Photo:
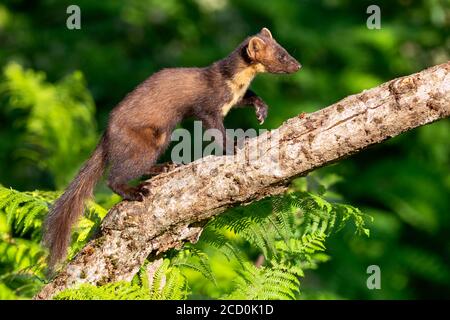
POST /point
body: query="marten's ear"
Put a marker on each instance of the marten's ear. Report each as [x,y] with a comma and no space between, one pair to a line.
[255,46]
[266,32]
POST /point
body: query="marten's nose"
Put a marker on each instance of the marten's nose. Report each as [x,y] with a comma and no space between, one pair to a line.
[295,66]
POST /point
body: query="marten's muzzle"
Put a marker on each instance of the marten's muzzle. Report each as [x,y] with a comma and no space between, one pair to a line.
[294,67]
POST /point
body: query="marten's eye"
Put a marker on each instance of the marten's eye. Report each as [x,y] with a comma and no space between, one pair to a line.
[281,56]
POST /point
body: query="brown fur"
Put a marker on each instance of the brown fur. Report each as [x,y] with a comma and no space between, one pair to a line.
[68,208]
[139,128]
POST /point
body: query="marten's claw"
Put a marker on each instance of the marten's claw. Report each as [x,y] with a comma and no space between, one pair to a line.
[145,192]
[261,115]
[137,194]
[261,111]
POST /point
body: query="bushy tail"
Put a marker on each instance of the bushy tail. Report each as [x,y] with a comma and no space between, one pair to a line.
[70,206]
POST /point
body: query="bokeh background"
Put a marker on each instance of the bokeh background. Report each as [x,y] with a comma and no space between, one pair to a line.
[57,87]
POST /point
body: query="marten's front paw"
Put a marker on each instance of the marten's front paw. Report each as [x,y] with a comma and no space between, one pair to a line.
[138,194]
[143,191]
[261,111]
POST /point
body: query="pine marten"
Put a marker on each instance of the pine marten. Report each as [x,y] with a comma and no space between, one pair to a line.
[139,128]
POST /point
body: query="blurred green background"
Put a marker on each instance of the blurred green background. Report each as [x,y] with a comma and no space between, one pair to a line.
[57,87]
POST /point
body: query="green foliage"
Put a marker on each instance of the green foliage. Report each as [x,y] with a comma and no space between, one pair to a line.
[22,258]
[113,291]
[264,283]
[25,210]
[287,232]
[166,283]
[56,121]
[404,186]
[86,227]
[196,260]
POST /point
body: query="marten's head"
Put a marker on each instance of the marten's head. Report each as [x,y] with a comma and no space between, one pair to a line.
[262,48]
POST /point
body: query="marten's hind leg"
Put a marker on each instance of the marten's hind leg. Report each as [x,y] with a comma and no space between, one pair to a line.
[130,163]
[131,156]
[119,184]
[121,173]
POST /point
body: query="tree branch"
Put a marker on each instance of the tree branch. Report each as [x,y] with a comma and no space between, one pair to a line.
[183,200]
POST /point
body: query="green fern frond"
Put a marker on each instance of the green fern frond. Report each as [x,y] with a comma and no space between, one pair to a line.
[240,218]
[113,291]
[86,227]
[212,236]
[176,285]
[195,260]
[167,282]
[265,283]
[290,231]
[25,210]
